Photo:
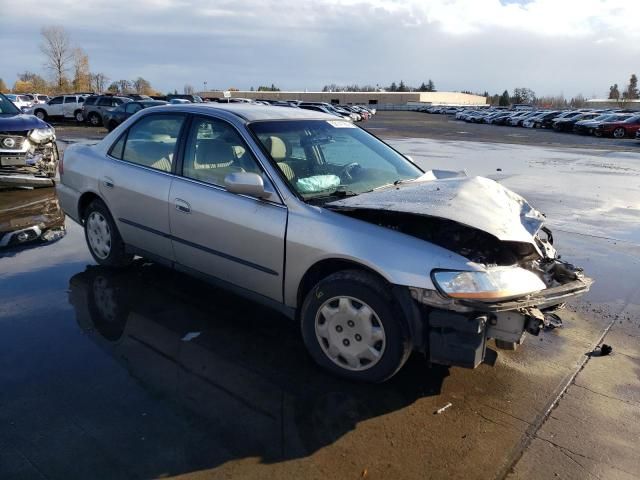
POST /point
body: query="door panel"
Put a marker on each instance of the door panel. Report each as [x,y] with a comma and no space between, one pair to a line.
[235,238]
[138,200]
[136,186]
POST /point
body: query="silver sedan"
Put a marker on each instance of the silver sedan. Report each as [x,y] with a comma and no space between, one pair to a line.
[313,216]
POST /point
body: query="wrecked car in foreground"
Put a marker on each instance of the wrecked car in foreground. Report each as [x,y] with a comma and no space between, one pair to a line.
[28,151]
[321,220]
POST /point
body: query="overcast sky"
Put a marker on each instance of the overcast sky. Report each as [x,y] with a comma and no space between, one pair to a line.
[550,46]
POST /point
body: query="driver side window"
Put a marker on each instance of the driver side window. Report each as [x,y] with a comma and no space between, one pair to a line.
[215,149]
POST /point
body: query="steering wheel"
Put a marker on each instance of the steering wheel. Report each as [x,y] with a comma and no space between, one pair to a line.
[348,169]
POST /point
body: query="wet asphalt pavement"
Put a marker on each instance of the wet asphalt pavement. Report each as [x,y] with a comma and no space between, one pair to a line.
[147,373]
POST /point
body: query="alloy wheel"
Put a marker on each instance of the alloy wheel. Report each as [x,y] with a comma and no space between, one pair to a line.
[350,333]
[619,132]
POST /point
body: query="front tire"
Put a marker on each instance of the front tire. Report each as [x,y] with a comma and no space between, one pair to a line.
[111,126]
[94,119]
[619,133]
[352,327]
[103,238]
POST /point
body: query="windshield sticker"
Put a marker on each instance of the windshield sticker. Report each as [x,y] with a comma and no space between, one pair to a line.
[340,124]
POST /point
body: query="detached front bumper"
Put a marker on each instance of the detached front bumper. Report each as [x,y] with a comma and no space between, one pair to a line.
[456,331]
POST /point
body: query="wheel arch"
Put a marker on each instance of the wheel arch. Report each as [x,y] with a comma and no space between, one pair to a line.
[84,201]
[325,267]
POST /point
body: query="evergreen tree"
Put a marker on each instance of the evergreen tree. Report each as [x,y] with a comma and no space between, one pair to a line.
[614,93]
[402,87]
[393,87]
[632,89]
[504,99]
[431,87]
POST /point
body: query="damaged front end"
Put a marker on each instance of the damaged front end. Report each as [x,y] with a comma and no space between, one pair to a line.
[28,153]
[517,281]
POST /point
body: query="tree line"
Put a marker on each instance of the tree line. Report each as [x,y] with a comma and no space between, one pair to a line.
[394,87]
[69,71]
[630,93]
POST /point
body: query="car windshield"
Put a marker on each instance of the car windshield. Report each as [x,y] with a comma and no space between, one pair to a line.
[325,158]
[7,107]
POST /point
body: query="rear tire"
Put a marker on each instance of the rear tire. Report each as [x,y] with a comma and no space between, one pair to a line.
[353,328]
[41,114]
[103,238]
[78,116]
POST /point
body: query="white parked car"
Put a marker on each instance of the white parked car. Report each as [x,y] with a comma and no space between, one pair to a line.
[62,106]
[20,101]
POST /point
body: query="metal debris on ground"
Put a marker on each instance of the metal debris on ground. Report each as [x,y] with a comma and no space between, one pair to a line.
[441,410]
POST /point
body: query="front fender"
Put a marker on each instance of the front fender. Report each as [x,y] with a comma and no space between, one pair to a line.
[315,234]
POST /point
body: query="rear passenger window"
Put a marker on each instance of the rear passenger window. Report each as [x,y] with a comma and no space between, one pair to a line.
[70,100]
[214,150]
[152,141]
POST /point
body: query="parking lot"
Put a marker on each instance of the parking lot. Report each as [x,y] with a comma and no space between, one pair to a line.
[147,373]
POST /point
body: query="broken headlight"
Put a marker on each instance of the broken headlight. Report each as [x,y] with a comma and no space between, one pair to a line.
[41,135]
[498,283]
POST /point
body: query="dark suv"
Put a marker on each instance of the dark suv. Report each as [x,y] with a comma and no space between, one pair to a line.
[96,106]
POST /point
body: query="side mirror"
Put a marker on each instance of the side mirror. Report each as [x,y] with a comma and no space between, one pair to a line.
[246,183]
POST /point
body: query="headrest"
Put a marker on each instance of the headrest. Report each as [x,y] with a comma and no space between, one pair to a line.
[277,148]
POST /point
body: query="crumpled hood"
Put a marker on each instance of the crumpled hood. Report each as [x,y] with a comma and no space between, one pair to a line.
[477,202]
[20,123]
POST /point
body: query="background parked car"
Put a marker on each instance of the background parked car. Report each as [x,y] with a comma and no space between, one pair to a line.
[37,98]
[95,107]
[588,127]
[619,129]
[62,106]
[21,101]
[566,124]
[119,114]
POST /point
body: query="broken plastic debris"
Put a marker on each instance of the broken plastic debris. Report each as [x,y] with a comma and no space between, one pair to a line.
[551,321]
[441,410]
[190,336]
[605,350]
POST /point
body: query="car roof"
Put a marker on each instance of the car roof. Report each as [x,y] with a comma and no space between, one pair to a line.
[253,112]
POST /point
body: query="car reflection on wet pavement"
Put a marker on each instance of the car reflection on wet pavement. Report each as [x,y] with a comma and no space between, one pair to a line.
[29,215]
[145,372]
[240,368]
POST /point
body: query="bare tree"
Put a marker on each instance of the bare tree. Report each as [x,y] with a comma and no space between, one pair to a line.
[123,86]
[82,73]
[188,89]
[142,86]
[57,51]
[3,86]
[99,82]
